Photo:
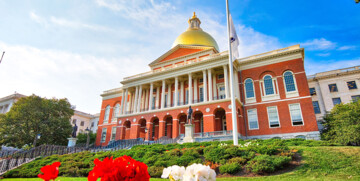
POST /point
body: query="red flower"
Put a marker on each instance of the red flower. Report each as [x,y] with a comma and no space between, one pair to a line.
[122,168]
[50,171]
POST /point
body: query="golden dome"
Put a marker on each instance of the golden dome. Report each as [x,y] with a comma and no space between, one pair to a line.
[194,35]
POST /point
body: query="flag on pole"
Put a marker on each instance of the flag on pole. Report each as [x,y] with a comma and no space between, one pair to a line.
[234,40]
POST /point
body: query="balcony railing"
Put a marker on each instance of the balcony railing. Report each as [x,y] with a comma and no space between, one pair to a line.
[213,134]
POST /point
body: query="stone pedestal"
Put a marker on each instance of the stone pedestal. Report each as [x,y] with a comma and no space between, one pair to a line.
[72,142]
[189,133]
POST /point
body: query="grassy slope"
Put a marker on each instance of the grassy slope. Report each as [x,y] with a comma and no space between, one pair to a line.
[319,163]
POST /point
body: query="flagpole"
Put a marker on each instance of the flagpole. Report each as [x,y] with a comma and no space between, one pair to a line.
[232,87]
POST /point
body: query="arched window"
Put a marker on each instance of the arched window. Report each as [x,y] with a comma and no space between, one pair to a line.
[249,88]
[289,81]
[106,115]
[117,110]
[268,84]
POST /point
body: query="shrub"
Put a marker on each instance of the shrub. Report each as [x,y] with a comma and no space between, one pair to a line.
[261,164]
[230,168]
[155,171]
[239,160]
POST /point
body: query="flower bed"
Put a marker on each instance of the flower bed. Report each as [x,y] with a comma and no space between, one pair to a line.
[256,156]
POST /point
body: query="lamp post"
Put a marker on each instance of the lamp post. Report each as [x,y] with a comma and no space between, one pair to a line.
[87,130]
[146,131]
[37,137]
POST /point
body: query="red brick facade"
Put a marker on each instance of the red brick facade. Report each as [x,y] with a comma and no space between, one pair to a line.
[214,115]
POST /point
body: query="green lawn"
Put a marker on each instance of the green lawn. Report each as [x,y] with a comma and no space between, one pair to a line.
[318,163]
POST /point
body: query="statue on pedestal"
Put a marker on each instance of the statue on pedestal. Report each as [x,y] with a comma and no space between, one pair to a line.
[73,133]
[190,111]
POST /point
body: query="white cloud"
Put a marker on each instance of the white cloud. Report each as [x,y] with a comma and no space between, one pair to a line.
[66,23]
[319,44]
[53,73]
[312,67]
[323,54]
[347,48]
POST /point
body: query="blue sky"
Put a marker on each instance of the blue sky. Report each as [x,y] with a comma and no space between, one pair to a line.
[77,49]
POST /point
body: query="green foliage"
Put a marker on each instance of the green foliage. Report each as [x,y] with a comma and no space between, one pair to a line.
[230,168]
[342,124]
[155,171]
[82,138]
[267,164]
[34,115]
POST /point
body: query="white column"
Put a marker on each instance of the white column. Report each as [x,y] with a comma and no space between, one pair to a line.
[215,93]
[157,97]
[182,92]
[226,77]
[237,90]
[125,101]
[136,99]
[210,85]
[195,90]
[146,99]
[205,86]
[190,89]
[151,96]
[139,99]
[169,96]
[163,94]
[122,102]
[176,99]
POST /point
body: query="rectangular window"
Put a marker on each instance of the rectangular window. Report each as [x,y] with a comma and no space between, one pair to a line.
[333,88]
[103,135]
[316,107]
[153,102]
[186,96]
[273,117]
[312,91]
[82,123]
[166,98]
[252,119]
[295,112]
[92,124]
[74,121]
[351,85]
[220,76]
[221,92]
[336,100]
[113,133]
[355,98]
[201,94]
[201,80]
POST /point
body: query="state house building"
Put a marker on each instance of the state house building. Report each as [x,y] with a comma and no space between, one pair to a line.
[272,95]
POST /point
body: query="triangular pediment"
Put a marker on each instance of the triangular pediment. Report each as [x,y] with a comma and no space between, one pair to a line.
[180,51]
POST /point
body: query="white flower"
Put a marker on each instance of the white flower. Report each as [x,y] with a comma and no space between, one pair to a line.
[199,172]
[175,171]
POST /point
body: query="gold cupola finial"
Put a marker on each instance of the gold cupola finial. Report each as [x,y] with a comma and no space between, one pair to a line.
[194,16]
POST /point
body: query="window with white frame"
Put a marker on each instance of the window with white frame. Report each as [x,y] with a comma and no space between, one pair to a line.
[107,114]
[201,94]
[186,96]
[289,81]
[295,112]
[166,98]
[249,88]
[273,117]
[113,133]
[103,135]
[268,85]
[153,102]
[221,91]
[252,119]
[116,111]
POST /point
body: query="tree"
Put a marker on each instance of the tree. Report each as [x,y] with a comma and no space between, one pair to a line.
[342,124]
[34,115]
[82,137]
